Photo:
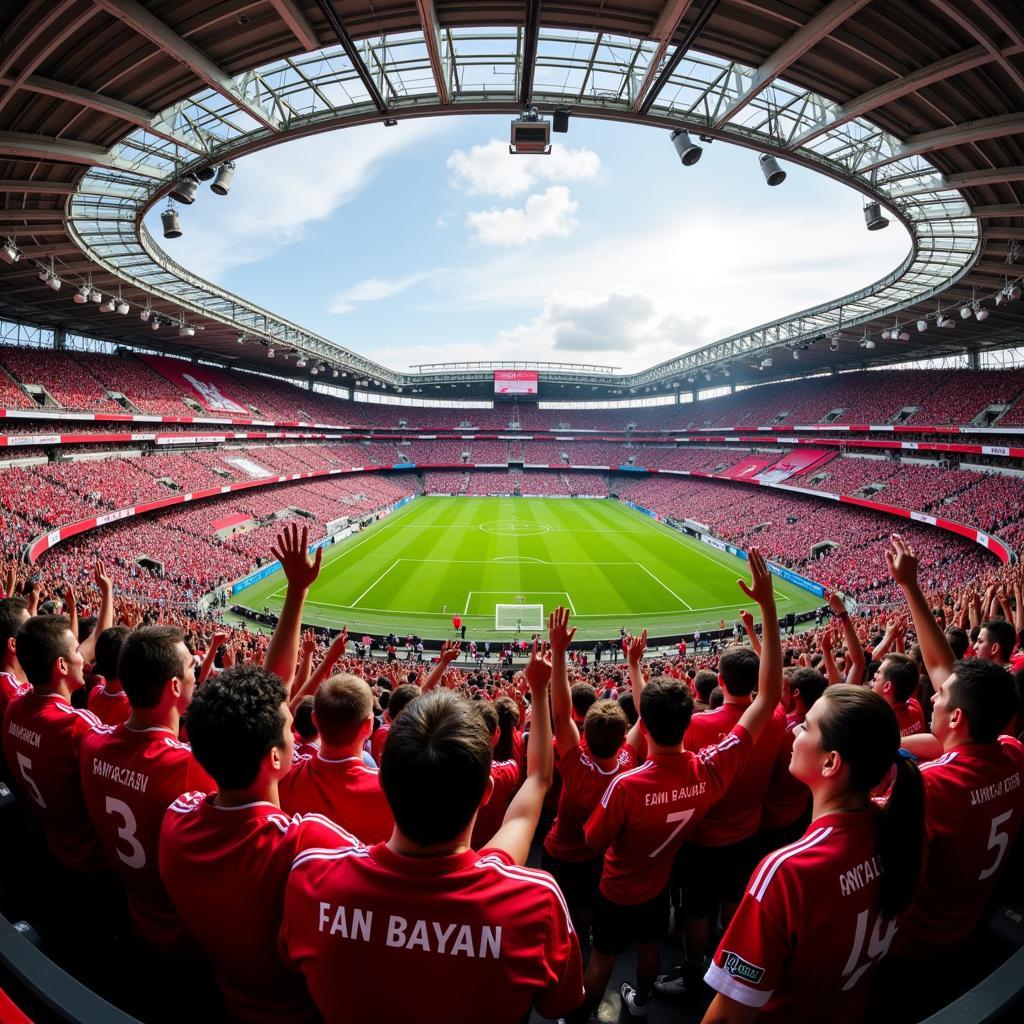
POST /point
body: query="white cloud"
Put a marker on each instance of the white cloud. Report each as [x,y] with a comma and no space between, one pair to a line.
[546,214]
[491,170]
[373,289]
[279,192]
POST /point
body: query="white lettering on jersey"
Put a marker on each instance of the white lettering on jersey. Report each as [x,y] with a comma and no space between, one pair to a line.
[122,776]
[984,794]
[446,938]
[19,732]
[668,796]
[857,877]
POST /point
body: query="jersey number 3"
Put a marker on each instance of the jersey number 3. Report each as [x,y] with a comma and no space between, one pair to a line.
[136,855]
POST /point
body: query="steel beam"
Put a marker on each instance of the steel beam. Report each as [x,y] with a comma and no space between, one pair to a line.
[991,176]
[971,131]
[41,147]
[352,52]
[298,23]
[531,36]
[432,38]
[664,29]
[60,188]
[1000,210]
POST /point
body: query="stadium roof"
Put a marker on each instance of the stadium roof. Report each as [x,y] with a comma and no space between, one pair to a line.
[918,104]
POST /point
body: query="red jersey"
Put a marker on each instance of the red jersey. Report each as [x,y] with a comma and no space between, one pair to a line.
[738,814]
[346,791]
[505,775]
[583,784]
[10,688]
[42,737]
[225,869]
[787,797]
[974,805]
[808,933]
[129,778]
[647,813]
[377,742]
[910,717]
[307,748]
[111,707]
[463,932]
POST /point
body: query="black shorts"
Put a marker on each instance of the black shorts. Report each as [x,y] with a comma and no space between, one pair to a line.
[617,925]
[578,880]
[710,875]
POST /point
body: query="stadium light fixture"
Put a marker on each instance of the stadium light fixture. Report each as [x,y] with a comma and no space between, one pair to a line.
[833,343]
[205,173]
[82,295]
[688,150]
[300,362]
[941,320]
[49,277]
[965,312]
[874,218]
[144,314]
[225,175]
[1013,291]
[980,312]
[107,305]
[334,373]
[885,335]
[922,325]
[186,330]
[773,173]
[122,306]
[171,222]
[270,353]
[796,353]
[185,190]
[95,296]
[155,323]
[9,251]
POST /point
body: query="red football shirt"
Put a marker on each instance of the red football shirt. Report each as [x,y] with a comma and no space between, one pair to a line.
[489,818]
[787,797]
[225,869]
[974,807]
[111,707]
[377,742]
[910,717]
[10,687]
[466,937]
[306,748]
[129,778]
[583,784]
[42,737]
[646,814]
[345,791]
[738,814]
[808,934]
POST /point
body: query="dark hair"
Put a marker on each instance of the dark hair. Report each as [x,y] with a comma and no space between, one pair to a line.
[738,668]
[342,704]
[628,706]
[809,683]
[605,728]
[508,719]
[437,760]
[39,643]
[583,696]
[984,691]
[901,672]
[860,726]
[149,658]
[716,698]
[401,697]
[108,650]
[234,721]
[13,611]
[1001,632]
[958,640]
[304,724]
[490,715]
[666,706]
[705,682]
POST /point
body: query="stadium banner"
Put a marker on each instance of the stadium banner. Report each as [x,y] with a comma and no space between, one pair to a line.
[200,382]
[515,382]
[640,508]
[776,570]
[713,542]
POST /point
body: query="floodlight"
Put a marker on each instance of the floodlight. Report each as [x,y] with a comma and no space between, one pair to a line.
[9,251]
[965,312]
[270,353]
[1013,292]
[300,362]
[122,307]
[833,343]
[185,190]
[144,314]
[107,305]
[204,173]
[50,279]
[185,331]
[922,326]
[796,353]
[171,223]
[941,320]
[95,296]
[334,373]
[225,175]
[155,324]
[82,295]
[980,312]
[885,335]
[874,218]
[688,150]
[773,173]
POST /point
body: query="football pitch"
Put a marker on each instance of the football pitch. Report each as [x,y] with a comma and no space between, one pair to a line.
[438,556]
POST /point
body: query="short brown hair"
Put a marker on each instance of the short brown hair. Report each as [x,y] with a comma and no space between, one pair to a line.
[341,705]
[738,668]
[605,728]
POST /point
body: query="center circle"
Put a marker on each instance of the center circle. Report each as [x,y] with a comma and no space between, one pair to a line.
[514,528]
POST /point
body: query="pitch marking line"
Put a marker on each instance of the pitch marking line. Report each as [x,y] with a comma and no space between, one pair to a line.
[564,593]
[355,603]
[689,607]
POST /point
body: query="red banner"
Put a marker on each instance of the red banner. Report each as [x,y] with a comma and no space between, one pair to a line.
[205,385]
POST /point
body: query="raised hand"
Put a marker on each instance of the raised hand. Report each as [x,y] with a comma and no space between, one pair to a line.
[99,574]
[835,602]
[308,644]
[559,633]
[449,652]
[538,669]
[902,561]
[290,549]
[760,588]
[635,647]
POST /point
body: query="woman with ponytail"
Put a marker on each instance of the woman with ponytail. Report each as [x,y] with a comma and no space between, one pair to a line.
[818,915]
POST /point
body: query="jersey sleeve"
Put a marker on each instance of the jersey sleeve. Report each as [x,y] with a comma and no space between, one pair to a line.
[751,958]
[564,965]
[721,763]
[607,819]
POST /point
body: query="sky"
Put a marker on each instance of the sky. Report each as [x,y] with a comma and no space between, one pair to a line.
[428,242]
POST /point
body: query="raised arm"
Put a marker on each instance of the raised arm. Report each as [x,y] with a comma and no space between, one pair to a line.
[520,822]
[887,641]
[219,637]
[854,649]
[449,652]
[748,624]
[560,636]
[290,549]
[323,671]
[105,616]
[827,656]
[769,676]
[635,647]
[935,650]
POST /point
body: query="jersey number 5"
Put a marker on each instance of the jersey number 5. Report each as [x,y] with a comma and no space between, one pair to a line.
[681,818]
[996,839]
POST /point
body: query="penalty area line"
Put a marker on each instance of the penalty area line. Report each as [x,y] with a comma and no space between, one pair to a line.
[372,585]
[685,604]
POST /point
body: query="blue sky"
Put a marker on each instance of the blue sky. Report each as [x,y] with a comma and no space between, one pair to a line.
[427,242]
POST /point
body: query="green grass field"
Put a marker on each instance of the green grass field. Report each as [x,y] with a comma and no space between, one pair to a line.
[610,565]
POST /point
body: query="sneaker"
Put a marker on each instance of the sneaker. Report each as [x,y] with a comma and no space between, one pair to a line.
[635,1010]
[671,984]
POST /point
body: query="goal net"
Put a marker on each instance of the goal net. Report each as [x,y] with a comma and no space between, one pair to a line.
[528,618]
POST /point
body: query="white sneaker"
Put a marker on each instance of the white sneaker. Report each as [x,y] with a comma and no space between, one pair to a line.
[628,994]
[673,984]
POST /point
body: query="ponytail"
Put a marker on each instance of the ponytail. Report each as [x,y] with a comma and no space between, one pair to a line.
[901,839]
[861,727]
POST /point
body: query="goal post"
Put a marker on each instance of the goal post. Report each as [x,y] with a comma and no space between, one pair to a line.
[513,618]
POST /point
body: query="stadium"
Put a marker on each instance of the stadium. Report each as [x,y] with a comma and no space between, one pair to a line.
[250,566]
